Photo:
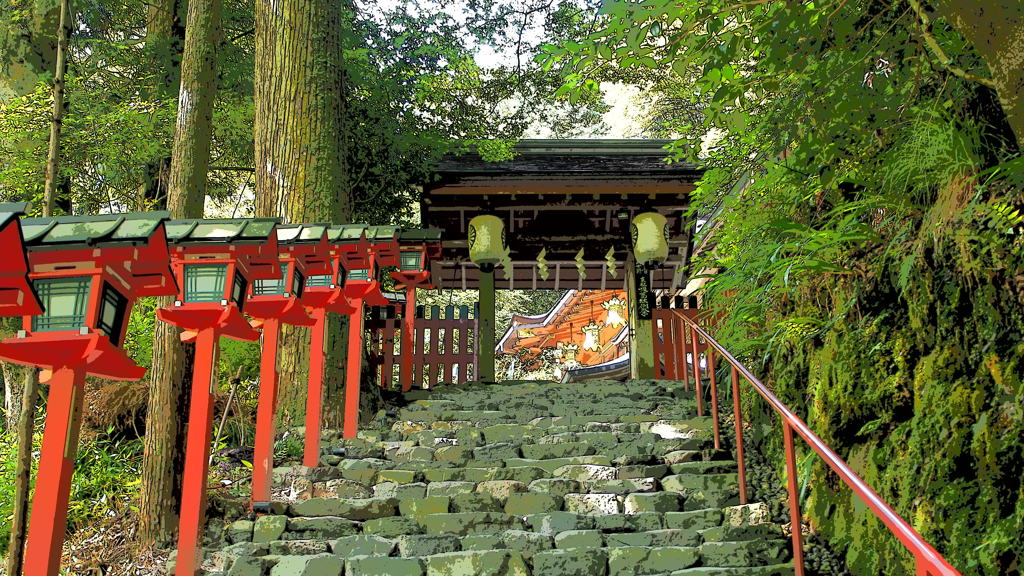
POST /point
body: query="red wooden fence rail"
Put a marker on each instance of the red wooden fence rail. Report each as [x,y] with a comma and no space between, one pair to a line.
[444,345]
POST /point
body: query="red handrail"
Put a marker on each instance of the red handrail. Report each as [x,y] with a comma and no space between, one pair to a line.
[928,562]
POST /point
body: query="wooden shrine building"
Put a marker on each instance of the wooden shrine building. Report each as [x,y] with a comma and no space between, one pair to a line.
[567,208]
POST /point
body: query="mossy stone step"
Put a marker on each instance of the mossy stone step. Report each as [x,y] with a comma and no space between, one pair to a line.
[552,464]
[640,560]
[655,538]
[775,570]
[383,566]
[362,545]
[746,553]
[351,508]
[312,565]
[463,523]
[573,562]
[478,563]
[538,478]
[556,450]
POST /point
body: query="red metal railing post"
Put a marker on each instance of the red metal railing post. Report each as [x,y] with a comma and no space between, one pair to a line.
[738,423]
[56,466]
[263,445]
[350,426]
[197,455]
[315,390]
[794,500]
[714,396]
[696,375]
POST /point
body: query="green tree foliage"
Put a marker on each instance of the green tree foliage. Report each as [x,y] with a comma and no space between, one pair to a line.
[863,200]
[415,91]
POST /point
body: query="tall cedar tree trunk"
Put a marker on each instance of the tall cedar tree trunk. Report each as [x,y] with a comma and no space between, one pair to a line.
[165,39]
[30,52]
[172,361]
[996,30]
[300,153]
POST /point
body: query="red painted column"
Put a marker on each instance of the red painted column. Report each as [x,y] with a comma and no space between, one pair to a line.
[197,456]
[56,465]
[263,448]
[408,327]
[350,427]
[315,394]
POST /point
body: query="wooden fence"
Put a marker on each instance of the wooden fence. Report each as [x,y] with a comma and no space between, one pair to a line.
[674,346]
[443,347]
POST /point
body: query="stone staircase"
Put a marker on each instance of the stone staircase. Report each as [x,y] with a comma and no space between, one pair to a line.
[606,478]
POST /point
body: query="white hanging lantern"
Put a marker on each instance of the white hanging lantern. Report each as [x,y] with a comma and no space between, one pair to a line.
[616,307]
[650,238]
[591,337]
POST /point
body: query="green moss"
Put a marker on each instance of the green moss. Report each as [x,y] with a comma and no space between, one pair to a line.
[914,378]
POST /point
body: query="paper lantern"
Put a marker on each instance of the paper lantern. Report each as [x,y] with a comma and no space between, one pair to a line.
[650,238]
[486,241]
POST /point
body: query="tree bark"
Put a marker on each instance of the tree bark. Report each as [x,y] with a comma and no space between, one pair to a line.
[13,387]
[996,30]
[165,40]
[29,50]
[57,113]
[23,471]
[300,150]
[163,455]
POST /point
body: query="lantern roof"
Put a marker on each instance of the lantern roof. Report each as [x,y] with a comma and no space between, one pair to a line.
[416,235]
[133,245]
[347,233]
[16,295]
[302,233]
[12,210]
[220,230]
[64,232]
[382,233]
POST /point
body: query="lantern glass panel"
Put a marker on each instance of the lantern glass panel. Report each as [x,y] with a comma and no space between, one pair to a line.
[64,300]
[238,289]
[298,282]
[359,274]
[205,282]
[319,281]
[411,261]
[275,287]
[113,307]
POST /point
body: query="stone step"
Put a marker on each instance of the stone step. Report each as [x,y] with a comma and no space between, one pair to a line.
[516,478]
[441,555]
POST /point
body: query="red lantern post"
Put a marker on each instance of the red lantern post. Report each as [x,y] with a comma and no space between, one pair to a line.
[362,255]
[303,254]
[325,293]
[87,272]
[213,261]
[418,247]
